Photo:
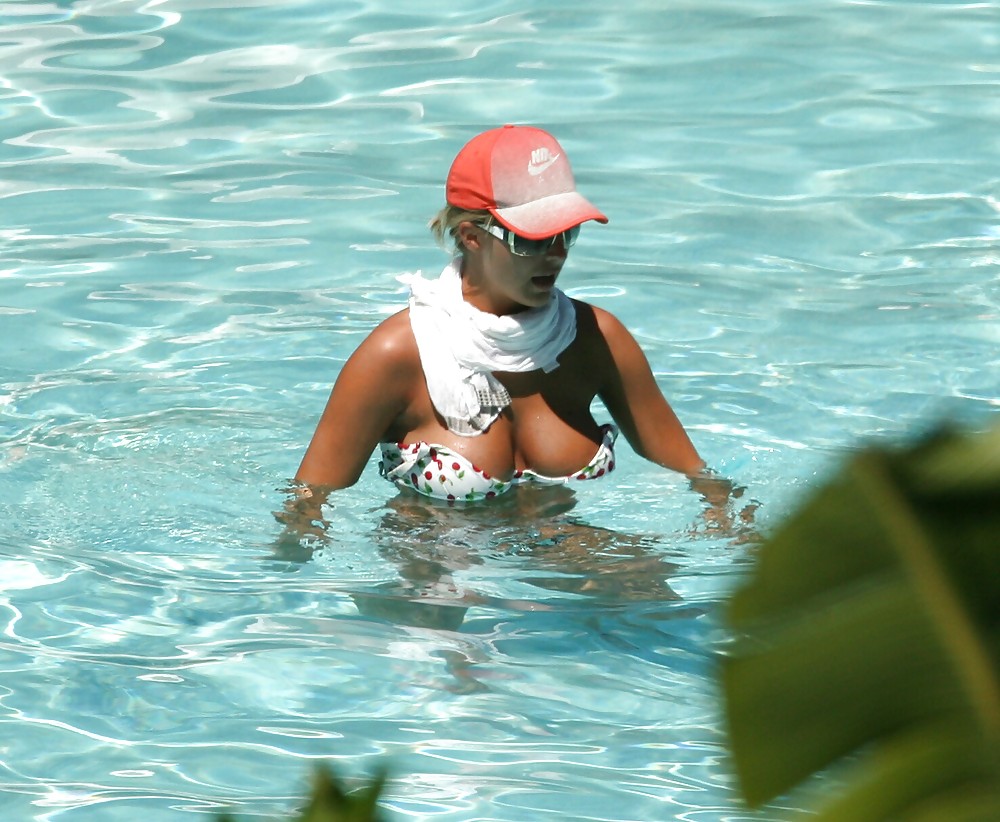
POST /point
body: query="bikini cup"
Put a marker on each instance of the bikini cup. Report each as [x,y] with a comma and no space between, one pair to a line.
[437,471]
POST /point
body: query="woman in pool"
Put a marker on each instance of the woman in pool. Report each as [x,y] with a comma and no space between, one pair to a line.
[486,380]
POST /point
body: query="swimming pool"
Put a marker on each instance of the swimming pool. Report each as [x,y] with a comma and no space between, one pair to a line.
[206,206]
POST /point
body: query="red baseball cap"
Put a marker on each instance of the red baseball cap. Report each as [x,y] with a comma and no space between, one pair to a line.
[521,175]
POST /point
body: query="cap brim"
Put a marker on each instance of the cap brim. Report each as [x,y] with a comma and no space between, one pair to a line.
[548,216]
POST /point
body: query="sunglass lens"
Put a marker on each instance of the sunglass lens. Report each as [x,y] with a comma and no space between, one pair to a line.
[531,248]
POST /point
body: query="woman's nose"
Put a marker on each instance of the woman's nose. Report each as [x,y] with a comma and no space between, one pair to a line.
[558,248]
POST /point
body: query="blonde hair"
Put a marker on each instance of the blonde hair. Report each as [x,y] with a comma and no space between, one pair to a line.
[446,222]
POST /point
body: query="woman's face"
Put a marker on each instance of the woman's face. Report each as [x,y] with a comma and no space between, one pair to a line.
[501,282]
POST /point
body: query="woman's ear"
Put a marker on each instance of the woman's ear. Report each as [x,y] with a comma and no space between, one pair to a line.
[469,236]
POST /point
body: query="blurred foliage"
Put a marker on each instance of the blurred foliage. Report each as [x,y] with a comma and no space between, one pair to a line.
[867,642]
[331,802]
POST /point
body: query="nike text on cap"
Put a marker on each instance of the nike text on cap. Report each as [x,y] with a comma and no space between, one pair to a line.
[521,175]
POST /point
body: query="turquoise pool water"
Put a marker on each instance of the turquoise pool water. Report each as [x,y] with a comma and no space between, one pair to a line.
[205,206]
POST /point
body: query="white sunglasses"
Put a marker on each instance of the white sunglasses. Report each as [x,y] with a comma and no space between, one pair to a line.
[523,247]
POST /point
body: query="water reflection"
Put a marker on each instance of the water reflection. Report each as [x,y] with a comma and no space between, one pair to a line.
[531,530]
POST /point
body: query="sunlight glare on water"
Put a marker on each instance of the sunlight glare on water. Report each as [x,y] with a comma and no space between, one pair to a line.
[206,206]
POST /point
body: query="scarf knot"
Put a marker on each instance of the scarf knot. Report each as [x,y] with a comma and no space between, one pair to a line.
[460,347]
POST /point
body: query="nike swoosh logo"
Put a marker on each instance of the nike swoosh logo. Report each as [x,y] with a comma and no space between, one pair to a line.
[534,169]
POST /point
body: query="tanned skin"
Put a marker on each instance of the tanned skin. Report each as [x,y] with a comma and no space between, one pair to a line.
[381,394]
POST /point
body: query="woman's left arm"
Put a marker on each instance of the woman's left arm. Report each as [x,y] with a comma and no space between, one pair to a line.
[631,395]
[652,428]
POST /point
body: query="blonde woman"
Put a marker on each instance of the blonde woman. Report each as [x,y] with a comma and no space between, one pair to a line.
[486,380]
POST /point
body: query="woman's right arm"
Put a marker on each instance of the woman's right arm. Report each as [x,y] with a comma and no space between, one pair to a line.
[374,388]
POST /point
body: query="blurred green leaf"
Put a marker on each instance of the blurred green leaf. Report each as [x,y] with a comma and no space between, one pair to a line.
[871,629]
[330,801]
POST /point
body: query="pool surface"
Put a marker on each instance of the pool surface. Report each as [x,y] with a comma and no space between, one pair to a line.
[205,207]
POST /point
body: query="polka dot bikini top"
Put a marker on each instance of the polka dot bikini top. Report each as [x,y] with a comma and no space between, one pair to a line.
[437,471]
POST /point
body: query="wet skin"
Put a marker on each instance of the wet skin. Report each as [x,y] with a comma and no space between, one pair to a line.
[381,395]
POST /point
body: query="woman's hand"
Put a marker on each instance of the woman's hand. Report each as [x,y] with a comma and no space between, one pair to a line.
[305,526]
[721,517]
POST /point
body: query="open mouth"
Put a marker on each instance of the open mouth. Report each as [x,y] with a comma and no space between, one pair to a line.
[544,280]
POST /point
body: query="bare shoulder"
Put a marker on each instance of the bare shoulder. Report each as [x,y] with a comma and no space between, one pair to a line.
[391,344]
[609,346]
[375,386]
[394,332]
[602,325]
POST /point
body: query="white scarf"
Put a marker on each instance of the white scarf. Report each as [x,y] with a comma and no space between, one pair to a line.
[460,346]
